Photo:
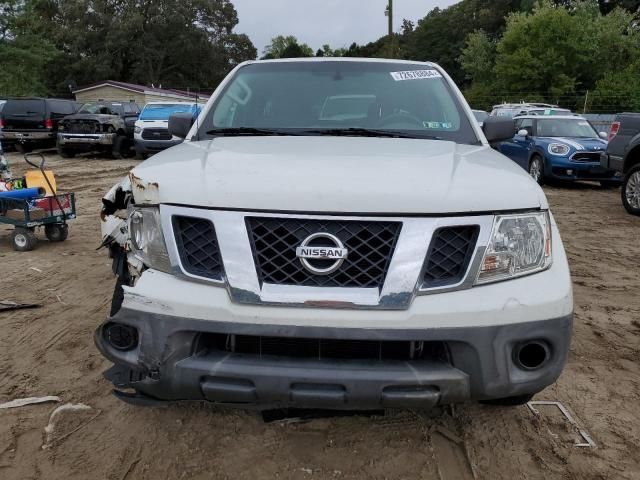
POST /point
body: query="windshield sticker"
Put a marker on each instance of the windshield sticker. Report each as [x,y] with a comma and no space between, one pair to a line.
[415,75]
[438,125]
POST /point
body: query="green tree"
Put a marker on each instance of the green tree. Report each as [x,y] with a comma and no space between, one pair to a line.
[478,57]
[23,62]
[285,47]
[170,42]
[553,52]
[617,91]
[540,54]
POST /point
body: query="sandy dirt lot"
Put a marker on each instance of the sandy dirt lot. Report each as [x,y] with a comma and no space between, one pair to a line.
[50,351]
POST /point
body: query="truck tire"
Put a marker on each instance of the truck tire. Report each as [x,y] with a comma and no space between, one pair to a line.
[631,191]
[536,169]
[56,232]
[66,152]
[121,147]
[23,239]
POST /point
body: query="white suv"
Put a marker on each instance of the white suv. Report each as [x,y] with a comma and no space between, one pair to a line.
[280,257]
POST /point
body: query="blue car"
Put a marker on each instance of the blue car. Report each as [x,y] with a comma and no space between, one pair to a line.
[559,148]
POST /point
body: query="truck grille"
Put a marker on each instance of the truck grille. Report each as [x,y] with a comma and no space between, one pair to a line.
[370,245]
[156,134]
[83,127]
[449,255]
[198,247]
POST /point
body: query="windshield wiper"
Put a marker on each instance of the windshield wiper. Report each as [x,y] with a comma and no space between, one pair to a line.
[248,131]
[367,132]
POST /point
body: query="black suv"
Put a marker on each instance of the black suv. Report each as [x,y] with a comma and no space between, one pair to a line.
[623,155]
[28,123]
[99,126]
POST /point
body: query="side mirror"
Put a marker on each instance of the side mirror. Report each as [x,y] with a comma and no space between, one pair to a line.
[498,129]
[523,133]
[604,135]
[180,123]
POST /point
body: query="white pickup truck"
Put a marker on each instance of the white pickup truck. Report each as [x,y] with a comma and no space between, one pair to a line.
[379,258]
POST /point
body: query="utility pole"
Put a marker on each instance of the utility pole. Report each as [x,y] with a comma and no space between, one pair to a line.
[389,13]
[391,47]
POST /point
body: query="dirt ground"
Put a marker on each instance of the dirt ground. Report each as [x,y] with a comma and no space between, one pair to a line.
[50,351]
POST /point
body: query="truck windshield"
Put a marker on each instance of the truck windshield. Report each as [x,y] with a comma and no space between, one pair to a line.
[163,111]
[565,128]
[339,98]
[101,108]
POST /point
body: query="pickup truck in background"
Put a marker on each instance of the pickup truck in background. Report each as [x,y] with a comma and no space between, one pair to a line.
[99,126]
[623,155]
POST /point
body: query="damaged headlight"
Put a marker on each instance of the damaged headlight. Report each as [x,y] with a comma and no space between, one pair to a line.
[519,245]
[146,238]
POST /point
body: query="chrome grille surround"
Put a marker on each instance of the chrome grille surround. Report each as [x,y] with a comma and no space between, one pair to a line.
[402,283]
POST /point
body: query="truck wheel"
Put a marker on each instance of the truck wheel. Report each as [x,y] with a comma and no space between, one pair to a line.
[121,147]
[65,152]
[509,401]
[536,169]
[631,191]
[23,239]
[56,232]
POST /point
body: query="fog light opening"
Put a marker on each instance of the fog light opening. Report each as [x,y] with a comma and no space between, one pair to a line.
[531,355]
[121,337]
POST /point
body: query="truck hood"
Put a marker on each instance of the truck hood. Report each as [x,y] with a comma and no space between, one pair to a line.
[335,175]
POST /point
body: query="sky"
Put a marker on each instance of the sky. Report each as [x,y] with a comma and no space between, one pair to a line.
[317,22]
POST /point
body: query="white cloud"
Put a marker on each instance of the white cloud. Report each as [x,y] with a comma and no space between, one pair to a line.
[316,22]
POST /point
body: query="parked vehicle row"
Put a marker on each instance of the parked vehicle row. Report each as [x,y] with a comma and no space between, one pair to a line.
[112,127]
[512,110]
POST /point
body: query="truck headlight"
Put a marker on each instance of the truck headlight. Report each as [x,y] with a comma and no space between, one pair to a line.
[137,130]
[559,149]
[520,245]
[146,238]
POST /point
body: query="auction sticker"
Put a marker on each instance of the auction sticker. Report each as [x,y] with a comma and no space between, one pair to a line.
[415,75]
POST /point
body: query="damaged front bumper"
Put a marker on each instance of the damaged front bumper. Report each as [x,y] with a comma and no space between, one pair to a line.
[180,359]
[467,342]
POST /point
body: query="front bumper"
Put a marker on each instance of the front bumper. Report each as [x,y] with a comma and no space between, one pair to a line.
[154,146]
[85,139]
[564,169]
[25,136]
[612,162]
[479,366]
